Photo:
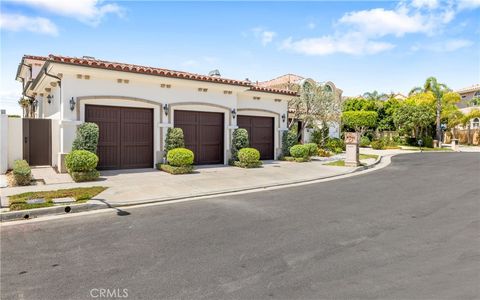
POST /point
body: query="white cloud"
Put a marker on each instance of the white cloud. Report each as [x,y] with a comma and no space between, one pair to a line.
[353,43]
[311,25]
[14,22]
[87,11]
[265,36]
[444,46]
[468,4]
[430,4]
[380,22]
[361,32]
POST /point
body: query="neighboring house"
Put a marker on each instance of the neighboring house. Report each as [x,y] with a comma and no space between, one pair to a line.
[474,122]
[285,82]
[467,94]
[135,105]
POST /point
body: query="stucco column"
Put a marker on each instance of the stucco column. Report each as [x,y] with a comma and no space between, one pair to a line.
[3,142]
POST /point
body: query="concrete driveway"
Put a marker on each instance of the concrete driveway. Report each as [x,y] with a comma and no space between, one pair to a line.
[408,231]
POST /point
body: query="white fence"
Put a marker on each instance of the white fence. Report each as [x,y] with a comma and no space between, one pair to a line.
[11,146]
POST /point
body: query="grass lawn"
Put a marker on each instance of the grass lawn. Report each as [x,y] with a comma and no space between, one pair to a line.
[341,163]
[367,156]
[19,201]
[337,163]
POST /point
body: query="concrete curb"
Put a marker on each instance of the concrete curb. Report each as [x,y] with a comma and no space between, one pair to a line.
[98,204]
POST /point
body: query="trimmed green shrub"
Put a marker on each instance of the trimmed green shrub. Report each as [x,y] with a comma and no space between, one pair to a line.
[180,157]
[239,141]
[364,141]
[312,149]
[299,151]
[84,176]
[81,161]
[175,170]
[378,145]
[87,137]
[289,139]
[335,144]
[22,174]
[174,139]
[248,158]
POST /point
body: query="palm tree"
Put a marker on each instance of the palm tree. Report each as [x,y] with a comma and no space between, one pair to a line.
[375,96]
[438,90]
[24,104]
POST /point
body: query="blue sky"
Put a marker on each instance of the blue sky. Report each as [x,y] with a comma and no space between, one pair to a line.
[360,46]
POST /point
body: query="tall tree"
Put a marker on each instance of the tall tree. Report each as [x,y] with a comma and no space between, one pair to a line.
[314,105]
[376,96]
[438,90]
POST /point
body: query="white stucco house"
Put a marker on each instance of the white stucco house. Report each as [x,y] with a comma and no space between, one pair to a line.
[135,105]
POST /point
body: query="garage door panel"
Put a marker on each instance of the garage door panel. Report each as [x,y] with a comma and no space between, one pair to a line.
[125,136]
[203,132]
[260,134]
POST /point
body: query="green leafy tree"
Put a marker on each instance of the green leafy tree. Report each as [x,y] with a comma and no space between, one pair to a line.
[438,91]
[360,120]
[314,104]
[413,117]
[356,104]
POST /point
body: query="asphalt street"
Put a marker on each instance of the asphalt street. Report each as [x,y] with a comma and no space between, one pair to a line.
[408,231]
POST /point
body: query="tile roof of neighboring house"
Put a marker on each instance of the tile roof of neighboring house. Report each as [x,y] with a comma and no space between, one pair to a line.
[109,65]
[281,80]
[473,88]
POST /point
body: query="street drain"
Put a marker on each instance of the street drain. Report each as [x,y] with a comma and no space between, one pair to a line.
[68,209]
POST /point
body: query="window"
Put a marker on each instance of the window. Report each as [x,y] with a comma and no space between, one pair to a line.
[476,123]
[477,94]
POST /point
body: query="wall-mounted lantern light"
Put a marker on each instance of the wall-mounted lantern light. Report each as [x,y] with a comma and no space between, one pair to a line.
[72,104]
[165,109]
[283,118]
[49,98]
[234,113]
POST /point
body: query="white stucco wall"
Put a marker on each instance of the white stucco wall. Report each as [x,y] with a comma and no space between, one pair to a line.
[103,88]
[15,143]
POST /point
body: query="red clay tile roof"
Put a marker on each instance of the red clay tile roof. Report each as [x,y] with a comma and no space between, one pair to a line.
[109,65]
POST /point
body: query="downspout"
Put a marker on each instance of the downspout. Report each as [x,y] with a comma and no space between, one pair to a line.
[62,149]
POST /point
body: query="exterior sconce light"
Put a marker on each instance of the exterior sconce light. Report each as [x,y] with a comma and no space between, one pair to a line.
[49,98]
[72,104]
[165,109]
[283,118]
[234,113]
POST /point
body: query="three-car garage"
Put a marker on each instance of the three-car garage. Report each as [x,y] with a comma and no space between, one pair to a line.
[127,135]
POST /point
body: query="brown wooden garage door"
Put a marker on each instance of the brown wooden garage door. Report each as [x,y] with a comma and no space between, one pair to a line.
[126,136]
[260,134]
[203,133]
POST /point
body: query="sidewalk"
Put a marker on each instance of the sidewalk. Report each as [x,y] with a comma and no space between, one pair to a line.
[126,187]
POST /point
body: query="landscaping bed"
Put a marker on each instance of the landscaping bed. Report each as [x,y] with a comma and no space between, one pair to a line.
[80,195]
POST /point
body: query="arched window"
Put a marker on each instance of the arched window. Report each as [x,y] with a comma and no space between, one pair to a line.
[476,123]
[328,88]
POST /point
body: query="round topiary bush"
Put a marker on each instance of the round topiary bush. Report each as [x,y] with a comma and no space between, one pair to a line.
[180,157]
[312,149]
[81,161]
[364,141]
[299,151]
[248,155]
